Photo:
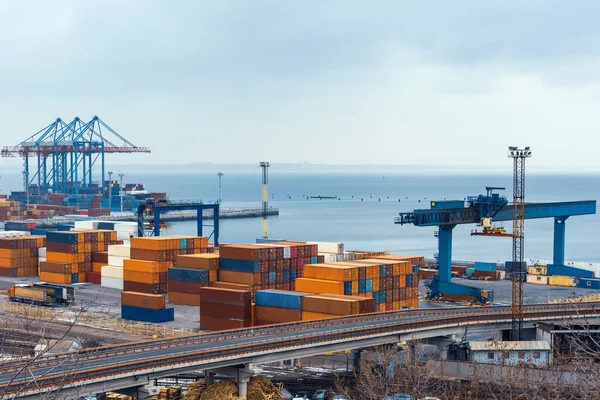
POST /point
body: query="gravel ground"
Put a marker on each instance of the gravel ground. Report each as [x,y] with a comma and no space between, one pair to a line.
[106,301]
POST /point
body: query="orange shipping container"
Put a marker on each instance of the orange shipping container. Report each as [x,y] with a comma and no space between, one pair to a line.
[10,262]
[52,256]
[309,315]
[11,253]
[97,267]
[319,286]
[198,261]
[142,277]
[145,266]
[143,300]
[55,278]
[401,281]
[151,243]
[245,278]
[185,299]
[330,272]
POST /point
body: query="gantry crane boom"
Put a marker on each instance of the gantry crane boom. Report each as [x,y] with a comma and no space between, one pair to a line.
[265,198]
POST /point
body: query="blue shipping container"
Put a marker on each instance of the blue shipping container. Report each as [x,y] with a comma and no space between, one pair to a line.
[409,280]
[382,296]
[362,286]
[280,299]
[314,260]
[272,277]
[109,226]
[293,276]
[40,232]
[588,283]
[182,244]
[74,278]
[62,237]
[376,297]
[147,315]
[382,271]
[369,285]
[568,271]
[509,266]
[348,288]
[188,275]
[286,276]
[231,264]
[64,228]
[485,266]
[415,269]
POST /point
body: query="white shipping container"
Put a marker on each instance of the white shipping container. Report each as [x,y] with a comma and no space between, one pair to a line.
[42,252]
[89,224]
[115,261]
[329,247]
[108,271]
[287,251]
[119,250]
[348,256]
[4,234]
[113,283]
[328,258]
[537,279]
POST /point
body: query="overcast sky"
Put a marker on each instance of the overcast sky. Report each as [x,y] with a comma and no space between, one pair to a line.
[338,82]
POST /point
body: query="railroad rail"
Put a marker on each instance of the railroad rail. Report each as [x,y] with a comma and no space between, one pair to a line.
[238,346]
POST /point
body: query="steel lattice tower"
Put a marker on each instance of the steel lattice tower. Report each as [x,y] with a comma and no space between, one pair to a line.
[518,248]
[265,198]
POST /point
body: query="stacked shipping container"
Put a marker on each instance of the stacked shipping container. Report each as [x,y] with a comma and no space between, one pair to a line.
[222,309]
[266,266]
[10,210]
[19,255]
[145,307]
[329,306]
[392,284]
[277,306]
[151,258]
[191,272]
[69,254]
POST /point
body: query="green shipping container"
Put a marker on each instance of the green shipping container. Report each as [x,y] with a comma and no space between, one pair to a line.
[470,271]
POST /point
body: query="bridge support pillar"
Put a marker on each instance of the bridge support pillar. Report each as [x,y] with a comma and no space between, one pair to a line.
[356,360]
[445,252]
[442,344]
[559,240]
[209,377]
[241,374]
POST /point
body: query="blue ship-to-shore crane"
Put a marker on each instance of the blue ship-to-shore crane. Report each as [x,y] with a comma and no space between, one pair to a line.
[447,214]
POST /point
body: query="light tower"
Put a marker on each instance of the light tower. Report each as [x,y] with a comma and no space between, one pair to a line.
[121,190]
[518,248]
[110,174]
[220,175]
[265,197]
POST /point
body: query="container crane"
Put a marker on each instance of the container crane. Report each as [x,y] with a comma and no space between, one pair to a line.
[66,154]
[447,214]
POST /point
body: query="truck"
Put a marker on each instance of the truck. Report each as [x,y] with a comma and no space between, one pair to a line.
[42,293]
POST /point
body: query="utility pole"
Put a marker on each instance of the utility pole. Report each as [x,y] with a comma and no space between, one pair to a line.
[110,186]
[265,198]
[220,175]
[121,190]
[518,248]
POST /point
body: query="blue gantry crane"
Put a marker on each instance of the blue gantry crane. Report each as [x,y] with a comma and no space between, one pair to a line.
[155,208]
[67,153]
[483,209]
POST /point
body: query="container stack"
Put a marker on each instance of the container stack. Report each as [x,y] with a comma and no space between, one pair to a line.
[69,254]
[278,306]
[485,270]
[329,306]
[151,258]
[191,272]
[99,259]
[392,284]
[332,252]
[19,255]
[222,309]
[111,272]
[266,266]
[145,307]
[10,210]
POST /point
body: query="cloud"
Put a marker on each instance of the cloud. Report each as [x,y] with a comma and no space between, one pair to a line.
[322,81]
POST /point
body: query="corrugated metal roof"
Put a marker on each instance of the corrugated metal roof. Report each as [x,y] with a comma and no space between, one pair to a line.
[508,346]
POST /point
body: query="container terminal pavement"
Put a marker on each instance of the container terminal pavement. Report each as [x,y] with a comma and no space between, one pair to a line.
[234,352]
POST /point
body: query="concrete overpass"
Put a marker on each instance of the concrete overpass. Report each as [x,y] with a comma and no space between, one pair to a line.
[137,364]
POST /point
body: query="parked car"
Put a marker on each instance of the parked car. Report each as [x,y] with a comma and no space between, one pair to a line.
[399,396]
[320,395]
[302,396]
